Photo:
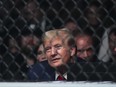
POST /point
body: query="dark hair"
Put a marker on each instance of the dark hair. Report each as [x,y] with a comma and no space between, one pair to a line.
[112,31]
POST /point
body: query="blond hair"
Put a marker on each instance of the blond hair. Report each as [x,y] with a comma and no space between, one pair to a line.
[62,33]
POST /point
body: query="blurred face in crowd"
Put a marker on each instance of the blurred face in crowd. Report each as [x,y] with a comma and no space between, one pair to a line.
[57,50]
[13,46]
[84,47]
[92,15]
[112,44]
[41,55]
[71,26]
[29,41]
[32,12]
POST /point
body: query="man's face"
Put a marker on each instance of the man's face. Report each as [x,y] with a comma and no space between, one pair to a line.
[57,52]
[93,15]
[71,26]
[84,47]
[112,44]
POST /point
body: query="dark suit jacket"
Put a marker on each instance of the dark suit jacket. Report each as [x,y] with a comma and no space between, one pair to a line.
[83,71]
[43,72]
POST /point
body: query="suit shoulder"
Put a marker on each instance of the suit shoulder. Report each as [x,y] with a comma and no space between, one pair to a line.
[40,66]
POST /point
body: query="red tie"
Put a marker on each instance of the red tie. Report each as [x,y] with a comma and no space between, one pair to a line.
[60,78]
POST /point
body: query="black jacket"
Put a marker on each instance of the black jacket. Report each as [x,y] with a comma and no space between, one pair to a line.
[83,71]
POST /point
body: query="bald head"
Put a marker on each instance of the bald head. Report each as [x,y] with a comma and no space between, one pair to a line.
[84,46]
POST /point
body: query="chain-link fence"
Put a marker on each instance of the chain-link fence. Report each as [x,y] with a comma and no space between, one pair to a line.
[22,23]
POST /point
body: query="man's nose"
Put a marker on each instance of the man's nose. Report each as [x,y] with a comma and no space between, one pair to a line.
[53,51]
[85,54]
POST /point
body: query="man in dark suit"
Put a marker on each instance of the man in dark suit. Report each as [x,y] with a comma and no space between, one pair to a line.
[59,48]
[44,72]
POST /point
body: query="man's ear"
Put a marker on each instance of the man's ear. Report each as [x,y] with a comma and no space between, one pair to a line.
[73,51]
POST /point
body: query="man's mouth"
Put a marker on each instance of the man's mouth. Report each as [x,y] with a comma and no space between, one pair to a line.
[55,59]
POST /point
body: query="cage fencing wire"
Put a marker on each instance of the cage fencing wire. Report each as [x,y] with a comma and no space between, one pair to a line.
[22,22]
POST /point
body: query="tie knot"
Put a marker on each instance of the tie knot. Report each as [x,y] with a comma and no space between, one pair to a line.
[60,78]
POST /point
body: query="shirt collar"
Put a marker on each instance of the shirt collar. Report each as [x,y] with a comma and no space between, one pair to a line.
[57,74]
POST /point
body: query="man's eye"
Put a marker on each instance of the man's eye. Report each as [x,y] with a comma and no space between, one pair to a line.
[80,51]
[58,46]
[89,49]
[47,48]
